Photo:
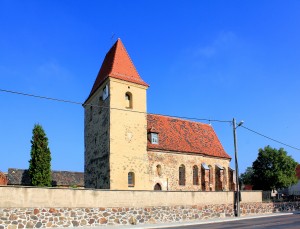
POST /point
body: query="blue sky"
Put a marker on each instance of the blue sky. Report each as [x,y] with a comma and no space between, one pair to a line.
[202,59]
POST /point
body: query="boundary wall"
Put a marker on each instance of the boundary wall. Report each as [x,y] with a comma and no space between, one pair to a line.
[31,207]
[33,197]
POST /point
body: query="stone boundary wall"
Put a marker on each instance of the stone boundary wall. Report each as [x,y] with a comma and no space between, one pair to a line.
[33,197]
[32,207]
[13,218]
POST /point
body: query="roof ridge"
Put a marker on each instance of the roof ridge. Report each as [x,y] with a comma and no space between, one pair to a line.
[182,119]
[129,57]
[114,55]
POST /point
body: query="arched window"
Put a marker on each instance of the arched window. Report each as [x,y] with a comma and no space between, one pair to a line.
[231,185]
[203,186]
[211,174]
[131,179]
[182,175]
[225,179]
[158,170]
[195,175]
[218,183]
[105,92]
[128,100]
[157,187]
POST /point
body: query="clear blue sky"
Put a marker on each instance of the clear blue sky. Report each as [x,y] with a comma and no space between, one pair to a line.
[203,59]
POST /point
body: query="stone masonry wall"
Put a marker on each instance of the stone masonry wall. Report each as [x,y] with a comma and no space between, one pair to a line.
[13,218]
[128,137]
[96,142]
[168,177]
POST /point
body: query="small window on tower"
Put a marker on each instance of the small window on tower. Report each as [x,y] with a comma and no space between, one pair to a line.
[105,92]
[128,100]
[91,113]
[131,180]
[154,138]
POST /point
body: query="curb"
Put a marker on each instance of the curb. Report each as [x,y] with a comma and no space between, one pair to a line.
[214,221]
[190,223]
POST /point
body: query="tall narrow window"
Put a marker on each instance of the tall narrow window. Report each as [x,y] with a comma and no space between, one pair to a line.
[203,186]
[182,175]
[195,175]
[231,185]
[225,187]
[158,170]
[128,100]
[218,184]
[131,179]
[91,113]
[211,174]
[105,92]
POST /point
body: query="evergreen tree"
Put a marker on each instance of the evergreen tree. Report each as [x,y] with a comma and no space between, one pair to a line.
[40,162]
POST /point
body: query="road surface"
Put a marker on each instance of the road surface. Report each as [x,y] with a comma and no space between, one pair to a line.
[277,222]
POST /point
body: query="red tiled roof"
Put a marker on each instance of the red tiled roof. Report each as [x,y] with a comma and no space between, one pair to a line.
[117,64]
[185,136]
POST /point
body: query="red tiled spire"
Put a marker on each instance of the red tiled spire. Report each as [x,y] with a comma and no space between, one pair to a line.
[117,64]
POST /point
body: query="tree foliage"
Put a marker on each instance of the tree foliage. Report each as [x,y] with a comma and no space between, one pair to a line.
[40,162]
[246,177]
[273,169]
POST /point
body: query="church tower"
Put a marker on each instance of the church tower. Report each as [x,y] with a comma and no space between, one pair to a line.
[115,126]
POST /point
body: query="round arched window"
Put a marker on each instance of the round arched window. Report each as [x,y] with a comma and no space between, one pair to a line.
[128,100]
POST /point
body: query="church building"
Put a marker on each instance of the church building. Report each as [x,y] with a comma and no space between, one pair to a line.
[128,149]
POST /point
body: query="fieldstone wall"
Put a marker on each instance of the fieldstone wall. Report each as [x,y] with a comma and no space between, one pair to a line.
[13,218]
[213,179]
[96,141]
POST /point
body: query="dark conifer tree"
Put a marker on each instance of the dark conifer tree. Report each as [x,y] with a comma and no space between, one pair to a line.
[40,162]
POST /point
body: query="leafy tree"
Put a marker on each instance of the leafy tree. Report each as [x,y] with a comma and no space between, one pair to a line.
[246,177]
[273,169]
[40,162]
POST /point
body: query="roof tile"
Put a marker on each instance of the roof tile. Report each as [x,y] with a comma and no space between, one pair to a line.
[117,64]
[185,136]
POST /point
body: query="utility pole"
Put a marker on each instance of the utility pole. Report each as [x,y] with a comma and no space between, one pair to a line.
[237,193]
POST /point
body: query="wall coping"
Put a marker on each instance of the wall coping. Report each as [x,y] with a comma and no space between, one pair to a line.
[109,190]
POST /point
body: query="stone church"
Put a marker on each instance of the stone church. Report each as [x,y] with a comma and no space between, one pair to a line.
[128,149]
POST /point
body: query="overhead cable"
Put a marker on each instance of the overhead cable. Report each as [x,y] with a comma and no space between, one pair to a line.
[105,107]
[269,138]
[127,110]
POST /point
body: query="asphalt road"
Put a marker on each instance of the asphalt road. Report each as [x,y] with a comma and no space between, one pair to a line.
[287,221]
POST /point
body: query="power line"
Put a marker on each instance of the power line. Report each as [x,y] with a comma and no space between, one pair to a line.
[105,107]
[270,138]
[113,108]
[41,97]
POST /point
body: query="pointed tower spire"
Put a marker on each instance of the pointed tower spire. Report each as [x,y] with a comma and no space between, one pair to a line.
[117,64]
